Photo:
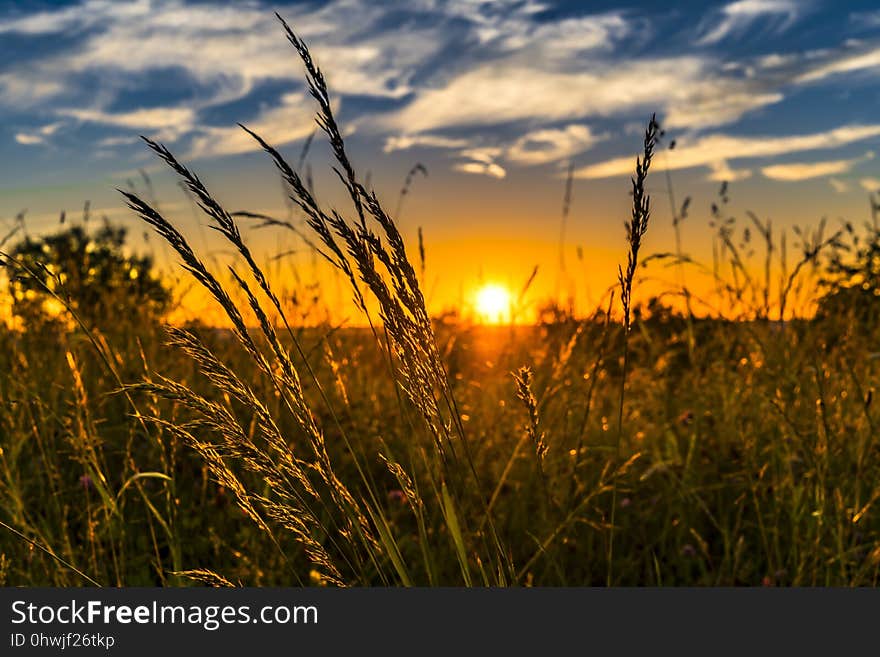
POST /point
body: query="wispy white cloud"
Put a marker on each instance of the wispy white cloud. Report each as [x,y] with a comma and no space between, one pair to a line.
[776,60]
[736,18]
[218,42]
[28,139]
[710,150]
[150,119]
[226,50]
[693,94]
[551,145]
[717,102]
[510,26]
[482,154]
[404,142]
[110,142]
[25,91]
[564,38]
[870,184]
[538,80]
[81,15]
[484,168]
[795,171]
[290,121]
[482,161]
[721,170]
[844,62]
[38,136]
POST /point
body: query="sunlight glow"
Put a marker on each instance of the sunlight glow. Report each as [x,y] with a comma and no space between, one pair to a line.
[492,304]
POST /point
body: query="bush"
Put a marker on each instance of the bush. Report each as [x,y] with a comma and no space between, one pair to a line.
[88,272]
[852,280]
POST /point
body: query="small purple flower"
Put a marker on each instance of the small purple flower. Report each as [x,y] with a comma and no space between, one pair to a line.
[688,550]
[396,496]
[86,482]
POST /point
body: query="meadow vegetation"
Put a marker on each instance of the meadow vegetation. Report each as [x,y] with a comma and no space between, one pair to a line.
[707,441]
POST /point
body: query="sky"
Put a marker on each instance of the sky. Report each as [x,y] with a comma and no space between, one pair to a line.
[498,100]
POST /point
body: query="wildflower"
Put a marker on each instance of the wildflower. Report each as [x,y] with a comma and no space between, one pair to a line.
[316,578]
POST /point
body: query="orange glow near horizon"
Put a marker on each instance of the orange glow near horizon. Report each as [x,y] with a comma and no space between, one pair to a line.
[473,279]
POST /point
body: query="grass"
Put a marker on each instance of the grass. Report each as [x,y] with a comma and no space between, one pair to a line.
[661,449]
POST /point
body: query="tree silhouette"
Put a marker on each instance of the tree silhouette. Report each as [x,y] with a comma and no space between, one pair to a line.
[852,279]
[90,272]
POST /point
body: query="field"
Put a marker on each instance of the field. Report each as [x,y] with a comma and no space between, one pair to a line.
[644,444]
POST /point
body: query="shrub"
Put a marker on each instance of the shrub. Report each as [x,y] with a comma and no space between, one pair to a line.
[91,273]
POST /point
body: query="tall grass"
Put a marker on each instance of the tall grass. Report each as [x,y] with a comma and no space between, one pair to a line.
[636,228]
[304,493]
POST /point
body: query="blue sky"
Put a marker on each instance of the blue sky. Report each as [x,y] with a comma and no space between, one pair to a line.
[496,98]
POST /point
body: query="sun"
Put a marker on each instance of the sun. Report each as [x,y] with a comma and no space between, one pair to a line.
[492,303]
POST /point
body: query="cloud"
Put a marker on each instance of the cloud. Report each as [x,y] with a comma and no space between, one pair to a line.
[404,142]
[39,136]
[510,66]
[721,171]
[484,168]
[165,124]
[839,186]
[529,70]
[692,91]
[715,103]
[110,142]
[567,37]
[28,139]
[841,63]
[510,25]
[711,150]
[736,18]
[25,91]
[806,170]
[293,119]
[865,19]
[150,119]
[76,16]
[776,60]
[533,148]
[225,51]
[215,42]
[483,154]
[542,146]
[482,162]
[870,184]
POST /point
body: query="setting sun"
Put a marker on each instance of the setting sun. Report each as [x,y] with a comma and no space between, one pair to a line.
[493,303]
